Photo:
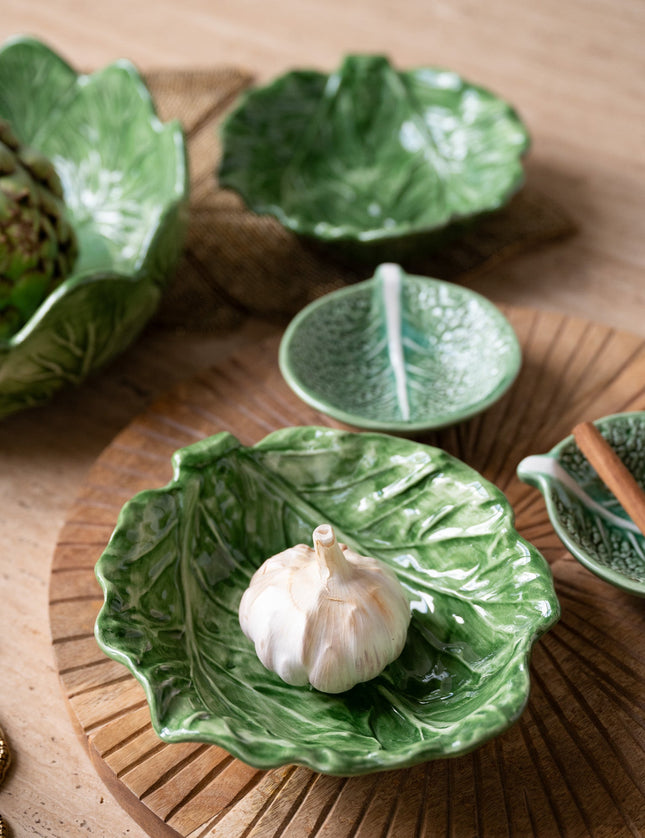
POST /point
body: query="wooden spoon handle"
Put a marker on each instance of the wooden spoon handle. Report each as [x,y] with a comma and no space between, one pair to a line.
[612,471]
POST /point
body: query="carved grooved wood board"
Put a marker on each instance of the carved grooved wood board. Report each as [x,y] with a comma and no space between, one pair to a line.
[574,764]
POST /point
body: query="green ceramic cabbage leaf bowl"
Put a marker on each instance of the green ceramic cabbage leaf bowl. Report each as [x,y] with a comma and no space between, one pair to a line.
[379,163]
[400,353]
[585,514]
[124,177]
[181,556]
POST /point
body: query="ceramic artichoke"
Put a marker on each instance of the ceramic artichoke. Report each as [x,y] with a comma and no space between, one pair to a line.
[38,246]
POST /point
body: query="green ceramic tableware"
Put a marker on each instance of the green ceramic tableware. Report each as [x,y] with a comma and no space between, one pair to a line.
[400,353]
[181,556]
[124,178]
[377,162]
[585,514]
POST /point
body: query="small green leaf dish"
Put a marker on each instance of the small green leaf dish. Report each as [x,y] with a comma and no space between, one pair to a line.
[400,353]
[181,557]
[584,513]
[378,164]
[125,182]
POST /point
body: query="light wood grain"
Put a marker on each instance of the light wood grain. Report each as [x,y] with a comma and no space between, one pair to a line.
[575,72]
[572,763]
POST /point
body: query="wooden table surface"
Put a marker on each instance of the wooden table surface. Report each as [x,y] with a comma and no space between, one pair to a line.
[574,70]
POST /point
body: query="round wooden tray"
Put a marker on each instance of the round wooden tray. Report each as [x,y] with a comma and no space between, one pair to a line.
[574,764]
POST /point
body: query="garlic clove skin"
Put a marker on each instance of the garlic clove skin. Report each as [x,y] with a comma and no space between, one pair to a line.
[328,616]
[274,607]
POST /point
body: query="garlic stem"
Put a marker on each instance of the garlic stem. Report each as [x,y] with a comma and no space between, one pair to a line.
[331,560]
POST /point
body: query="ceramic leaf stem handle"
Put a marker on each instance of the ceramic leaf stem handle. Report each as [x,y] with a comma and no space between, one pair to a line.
[612,471]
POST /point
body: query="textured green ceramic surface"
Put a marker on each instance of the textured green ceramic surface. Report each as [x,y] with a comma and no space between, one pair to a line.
[124,177]
[181,557]
[400,353]
[373,156]
[585,514]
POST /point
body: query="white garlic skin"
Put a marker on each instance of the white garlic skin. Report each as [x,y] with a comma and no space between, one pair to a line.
[328,616]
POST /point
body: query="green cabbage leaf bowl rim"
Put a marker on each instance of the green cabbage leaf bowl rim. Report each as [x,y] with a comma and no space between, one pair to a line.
[130,216]
[181,556]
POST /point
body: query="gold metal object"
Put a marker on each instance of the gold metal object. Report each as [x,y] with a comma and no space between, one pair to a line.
[5,759]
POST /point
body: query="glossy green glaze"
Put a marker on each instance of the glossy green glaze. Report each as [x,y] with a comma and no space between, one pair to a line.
[124,177]
[400,353]
[585,514]
[181,557]
[371,158]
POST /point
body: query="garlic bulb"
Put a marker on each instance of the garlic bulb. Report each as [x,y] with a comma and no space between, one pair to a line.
[327,616]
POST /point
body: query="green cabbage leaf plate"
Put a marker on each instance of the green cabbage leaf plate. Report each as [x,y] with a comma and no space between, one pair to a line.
[377,162]
[181,556]
[125,182]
